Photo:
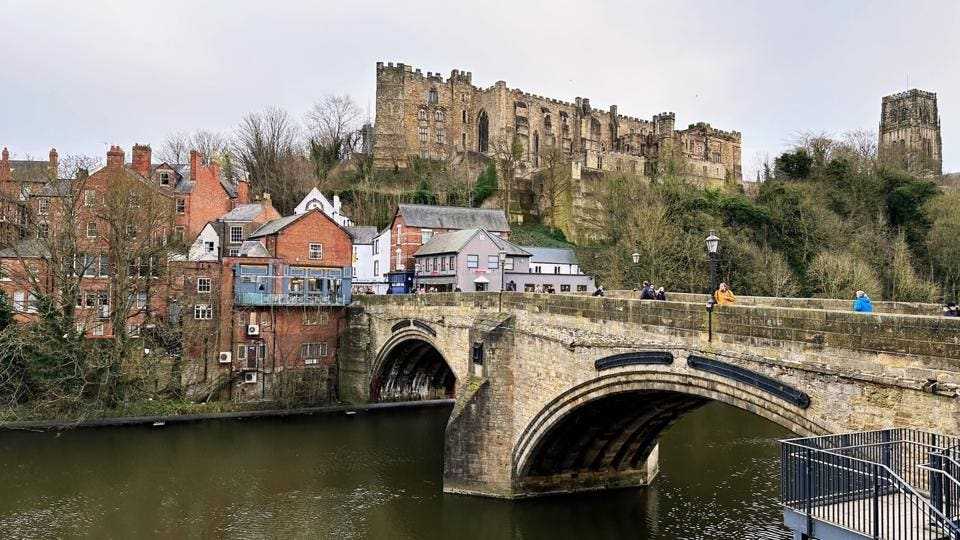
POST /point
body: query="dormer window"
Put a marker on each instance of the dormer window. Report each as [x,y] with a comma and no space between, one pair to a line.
[164,178]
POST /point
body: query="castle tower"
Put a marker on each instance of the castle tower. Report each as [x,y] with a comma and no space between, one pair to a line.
[910,132]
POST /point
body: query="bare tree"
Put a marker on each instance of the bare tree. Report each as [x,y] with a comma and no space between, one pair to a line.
[266,145]
[333,124]
[175,148]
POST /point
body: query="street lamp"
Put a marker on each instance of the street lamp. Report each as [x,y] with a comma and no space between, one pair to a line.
[713,244]
[502,257]
[636,258]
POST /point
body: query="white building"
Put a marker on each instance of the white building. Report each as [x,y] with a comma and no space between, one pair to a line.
[334,210]
[559,261]
[365,265]
[207,245]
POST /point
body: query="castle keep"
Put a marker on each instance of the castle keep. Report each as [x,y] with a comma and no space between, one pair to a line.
[427,116]
[910,132]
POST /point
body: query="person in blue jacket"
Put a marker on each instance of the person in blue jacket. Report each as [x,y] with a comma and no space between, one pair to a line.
[862,303]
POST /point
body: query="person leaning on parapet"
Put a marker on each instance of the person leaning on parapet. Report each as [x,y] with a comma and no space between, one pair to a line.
[862,303]
[724,295]
[599,291]
[661,294]
[951,310]
[647,293]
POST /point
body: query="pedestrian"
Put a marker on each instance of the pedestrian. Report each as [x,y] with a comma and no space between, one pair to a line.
[512,286]
[457,290]
[599,291]
[724,295]
[951,310]
[862,303]
[661,294]
[647,292]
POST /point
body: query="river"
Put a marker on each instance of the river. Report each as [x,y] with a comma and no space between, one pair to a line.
[368,475]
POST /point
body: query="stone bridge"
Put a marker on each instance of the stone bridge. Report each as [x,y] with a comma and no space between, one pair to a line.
[558,393]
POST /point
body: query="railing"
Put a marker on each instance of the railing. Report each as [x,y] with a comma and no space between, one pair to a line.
[877,484]
[944,471]
[287,299]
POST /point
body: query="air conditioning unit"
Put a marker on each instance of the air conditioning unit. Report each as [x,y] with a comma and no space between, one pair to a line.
[310,361]
[253,329]
[225,357]
[250,377]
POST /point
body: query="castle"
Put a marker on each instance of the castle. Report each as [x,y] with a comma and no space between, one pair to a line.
[427,116]
[910,132]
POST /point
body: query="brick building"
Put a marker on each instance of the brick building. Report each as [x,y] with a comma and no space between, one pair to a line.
[414,225]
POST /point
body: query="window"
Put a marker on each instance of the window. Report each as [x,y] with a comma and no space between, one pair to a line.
[98,329]
[43,229]
[452,262]
[581,288]
[463,140]
[313,351]
[131,231]
[236,234]
[565,288]
[203,285]
[425,235]
[313,318]
[376,268]
[316,251]
[433,97]
[422,132]
[438,115]
[529,287]
[443,264]
[178,233]
[209,247]
[473,261]
[493,262]
[181,206]
[233,252]
[242,352]
[19,300]
[535,270]
[463,115]
[203,312]
[89,197]
[90,299]
[556,269]
[508,263]
[43,206]
[164,179]
[91,229]
[439,136]
[104,266]
[422,114]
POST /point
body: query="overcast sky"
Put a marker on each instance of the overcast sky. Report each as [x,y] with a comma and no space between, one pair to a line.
[83,75]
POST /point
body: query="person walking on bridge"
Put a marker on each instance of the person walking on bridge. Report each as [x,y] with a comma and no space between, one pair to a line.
[724,295]
[661,294]
[862,303]
[647,292]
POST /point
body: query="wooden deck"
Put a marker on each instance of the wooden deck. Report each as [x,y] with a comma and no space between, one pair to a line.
[901,518]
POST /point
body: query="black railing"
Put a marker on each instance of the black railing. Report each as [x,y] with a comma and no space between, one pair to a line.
[881,484]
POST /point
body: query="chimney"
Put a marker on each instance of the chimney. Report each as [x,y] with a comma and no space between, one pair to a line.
[194,164]
[243,192]
[141,159]
[115,157]
[336,203]
[5,165]
[54,160]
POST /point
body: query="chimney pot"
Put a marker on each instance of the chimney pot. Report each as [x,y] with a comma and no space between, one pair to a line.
[115,157]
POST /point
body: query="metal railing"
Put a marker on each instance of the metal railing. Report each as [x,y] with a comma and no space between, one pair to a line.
[287,299]
[944,469]
[880,484]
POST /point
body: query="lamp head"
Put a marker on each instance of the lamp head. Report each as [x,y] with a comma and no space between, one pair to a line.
[713,243]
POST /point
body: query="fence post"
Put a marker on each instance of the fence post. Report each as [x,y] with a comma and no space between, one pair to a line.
[936,482]
[805,491]
[876,501]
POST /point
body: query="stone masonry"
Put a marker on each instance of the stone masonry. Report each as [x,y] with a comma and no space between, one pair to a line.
[910,132]
[550,404]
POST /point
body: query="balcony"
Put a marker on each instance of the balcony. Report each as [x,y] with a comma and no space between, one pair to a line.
[288,299]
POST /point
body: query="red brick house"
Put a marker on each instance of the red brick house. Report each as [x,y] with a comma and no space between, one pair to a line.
[415,224]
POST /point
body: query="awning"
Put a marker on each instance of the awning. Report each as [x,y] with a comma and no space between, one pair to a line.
[481,279]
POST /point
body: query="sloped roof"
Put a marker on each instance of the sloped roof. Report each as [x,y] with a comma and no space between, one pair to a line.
[453,242]
[243,212]
[27,170]
[363,234]
[453,217]
[551,255]
[275,226]
[26,249]
[253,248]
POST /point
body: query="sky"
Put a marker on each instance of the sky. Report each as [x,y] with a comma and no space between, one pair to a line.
[80,76]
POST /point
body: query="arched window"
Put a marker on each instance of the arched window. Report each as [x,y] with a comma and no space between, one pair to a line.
[438,115]
[422,114]
[483,132]
[464,116]
[432,97]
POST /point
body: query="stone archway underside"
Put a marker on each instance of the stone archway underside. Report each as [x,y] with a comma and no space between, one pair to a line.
[412,370]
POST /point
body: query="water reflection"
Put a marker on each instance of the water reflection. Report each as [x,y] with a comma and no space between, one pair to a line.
[372,475]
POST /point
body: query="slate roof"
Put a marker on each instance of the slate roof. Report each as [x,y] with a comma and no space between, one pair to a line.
[253,248]
[363,234]
[453,217]
[27,249]
[243,212]
[275,226]
[27,170]
[551,255]
[453,242]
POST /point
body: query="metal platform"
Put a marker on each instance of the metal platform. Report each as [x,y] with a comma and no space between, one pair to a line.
[889,484]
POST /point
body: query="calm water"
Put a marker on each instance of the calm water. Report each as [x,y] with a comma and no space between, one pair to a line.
[371,475]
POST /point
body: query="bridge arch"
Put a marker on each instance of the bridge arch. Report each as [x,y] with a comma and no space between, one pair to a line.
[410,367]
[600,433]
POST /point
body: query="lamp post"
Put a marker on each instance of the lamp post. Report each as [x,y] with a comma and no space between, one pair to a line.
[713,244]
